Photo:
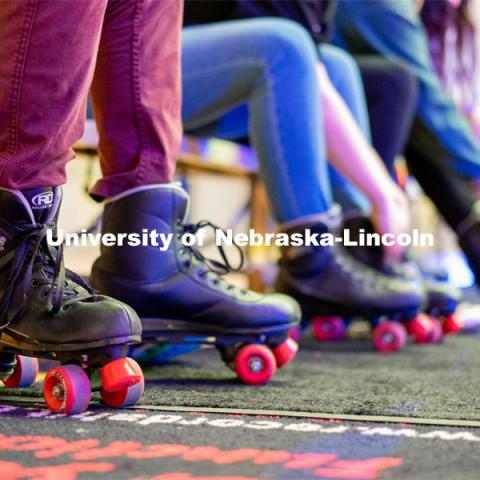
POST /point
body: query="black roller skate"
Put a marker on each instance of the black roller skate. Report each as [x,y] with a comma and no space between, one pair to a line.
[49,312]
[333,289]
[179,295]
[441,298]
[442,302]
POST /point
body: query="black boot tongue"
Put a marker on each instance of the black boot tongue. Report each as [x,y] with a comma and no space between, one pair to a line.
[41,201]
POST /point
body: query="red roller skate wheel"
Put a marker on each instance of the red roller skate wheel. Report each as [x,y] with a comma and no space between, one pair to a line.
[128,395]
[285,352]
[437,334]
[255,364]
[421,328]
[294,333]
[25,373]
[66,389]
[328,329]
[389,337]
[452,325]
[119,374]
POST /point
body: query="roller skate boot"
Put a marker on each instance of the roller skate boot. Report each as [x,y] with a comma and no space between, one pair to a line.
[181,297]
[441,298]
[333,288]
[468,232]
[48,312]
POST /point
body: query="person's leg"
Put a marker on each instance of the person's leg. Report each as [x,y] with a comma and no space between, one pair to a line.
[45,75]
[391,91]
[47,56]
[394,30]
[441,136]
[250,74]
[176,291]
[258,71]
[136,94]
[345,77]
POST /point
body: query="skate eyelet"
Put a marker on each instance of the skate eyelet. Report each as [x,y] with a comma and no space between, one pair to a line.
[65,307]
[45,294]
[34,283]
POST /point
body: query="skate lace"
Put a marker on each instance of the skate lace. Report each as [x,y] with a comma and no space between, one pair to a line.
[215,269]
[32,252]
[218,267]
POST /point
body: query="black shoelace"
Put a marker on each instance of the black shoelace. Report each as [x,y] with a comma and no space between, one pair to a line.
[33,250]
[218,267]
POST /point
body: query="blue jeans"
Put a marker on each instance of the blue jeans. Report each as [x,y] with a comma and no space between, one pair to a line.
[394,30]
[258,78]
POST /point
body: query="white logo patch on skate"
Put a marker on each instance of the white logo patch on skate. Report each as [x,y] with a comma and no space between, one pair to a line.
[42,200]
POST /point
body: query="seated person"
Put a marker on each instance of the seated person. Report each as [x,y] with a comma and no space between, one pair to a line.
[271,86]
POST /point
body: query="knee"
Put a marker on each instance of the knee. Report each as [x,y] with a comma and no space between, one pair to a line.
[282,41]
[403,81]
[340,64]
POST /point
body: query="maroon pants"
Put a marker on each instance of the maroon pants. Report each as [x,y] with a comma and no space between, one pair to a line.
[52,51]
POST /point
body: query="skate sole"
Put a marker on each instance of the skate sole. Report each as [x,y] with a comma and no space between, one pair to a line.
[174,331]
[313,307]
[106,348]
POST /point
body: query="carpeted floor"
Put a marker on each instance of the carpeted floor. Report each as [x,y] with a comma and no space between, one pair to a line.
[141,445]
[436,381]
[425,382]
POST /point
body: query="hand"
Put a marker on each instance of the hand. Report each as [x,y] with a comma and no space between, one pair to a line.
[391,214]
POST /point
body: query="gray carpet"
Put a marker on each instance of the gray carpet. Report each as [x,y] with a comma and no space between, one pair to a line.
[437,381]
[105,444]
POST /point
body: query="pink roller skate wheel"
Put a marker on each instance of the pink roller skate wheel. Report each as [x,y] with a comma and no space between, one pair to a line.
[25,373]
[389,337]
[67,389]
[126,396]
[422,328]
[255,364]
[328,329]
[452,325]
[285,352]
[437,334]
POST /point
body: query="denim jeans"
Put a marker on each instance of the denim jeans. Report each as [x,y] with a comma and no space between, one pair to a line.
[49,53]
[259,77]
[393,29]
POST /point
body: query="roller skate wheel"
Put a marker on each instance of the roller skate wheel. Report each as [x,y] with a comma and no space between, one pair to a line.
[255,364]
[328,328]
[421,328]
[25,373]
[389,337]
[294,333]
[285,352]
[119,374]
[437,334]
[452,325]
[127,396]
[66,389]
